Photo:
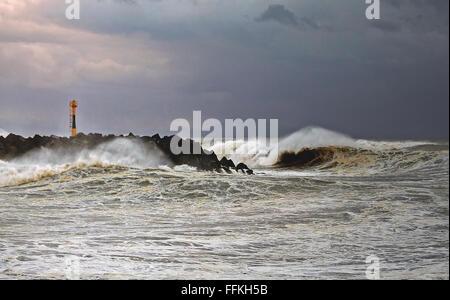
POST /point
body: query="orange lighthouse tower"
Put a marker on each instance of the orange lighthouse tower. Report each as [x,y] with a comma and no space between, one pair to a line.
[73,112]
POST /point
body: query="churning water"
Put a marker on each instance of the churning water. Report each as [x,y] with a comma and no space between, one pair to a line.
[119,212]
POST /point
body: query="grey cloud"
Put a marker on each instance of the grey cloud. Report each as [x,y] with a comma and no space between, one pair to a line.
[352,79]
[395,3]
[282,15]
[310,22]
[418,16]
[386,26]
[132,2]
[440,5]
[127,1]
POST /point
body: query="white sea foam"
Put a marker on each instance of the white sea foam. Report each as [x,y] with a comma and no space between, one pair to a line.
[48,162]
[390,145]
[3,133]
[259,154]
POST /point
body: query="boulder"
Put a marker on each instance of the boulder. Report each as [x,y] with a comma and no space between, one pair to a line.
[14,146]
[242,167]
[227,162]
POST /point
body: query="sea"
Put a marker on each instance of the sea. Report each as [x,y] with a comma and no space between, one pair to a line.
[361,207]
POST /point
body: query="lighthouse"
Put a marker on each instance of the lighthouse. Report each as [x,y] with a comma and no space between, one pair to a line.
[73,111]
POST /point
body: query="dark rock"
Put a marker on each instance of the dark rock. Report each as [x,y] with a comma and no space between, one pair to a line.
[226,169]
[14,146]
[227,162]
[242,167]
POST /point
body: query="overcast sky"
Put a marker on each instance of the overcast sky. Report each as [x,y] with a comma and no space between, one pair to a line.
[137,65]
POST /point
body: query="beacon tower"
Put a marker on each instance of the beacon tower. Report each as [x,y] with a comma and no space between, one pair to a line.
[73,111]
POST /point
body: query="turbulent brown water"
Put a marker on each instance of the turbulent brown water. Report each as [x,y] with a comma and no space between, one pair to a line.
[315,211]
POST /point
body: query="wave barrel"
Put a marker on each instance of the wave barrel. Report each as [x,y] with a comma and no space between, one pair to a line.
[73,112]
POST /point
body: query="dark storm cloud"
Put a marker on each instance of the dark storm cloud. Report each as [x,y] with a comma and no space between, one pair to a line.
[417,16]
[282,15]
[386,26]
[439,5]
[138,67]
[278,13]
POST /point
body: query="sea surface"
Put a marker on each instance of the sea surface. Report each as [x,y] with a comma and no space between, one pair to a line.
[117,213]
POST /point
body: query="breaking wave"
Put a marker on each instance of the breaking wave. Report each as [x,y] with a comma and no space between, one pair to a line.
[46,162]
[314,149]
[324,150]
[3,133]
[363,161]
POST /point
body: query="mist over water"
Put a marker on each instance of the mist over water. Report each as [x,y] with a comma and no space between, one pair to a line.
[125,212]
[48,162]
[3,133]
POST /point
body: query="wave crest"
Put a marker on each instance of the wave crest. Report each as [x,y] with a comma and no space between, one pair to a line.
[322,149]
[348,160]
[45,162]
[307,157]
